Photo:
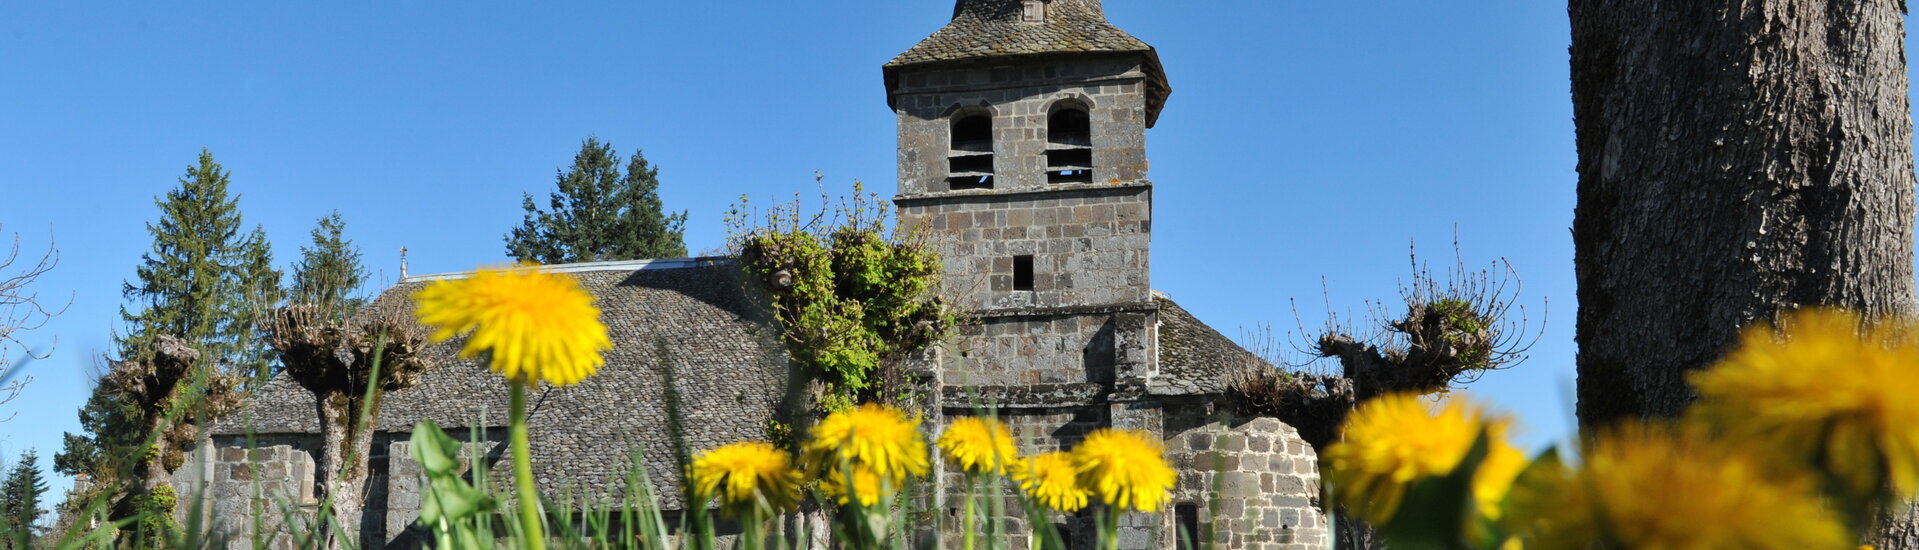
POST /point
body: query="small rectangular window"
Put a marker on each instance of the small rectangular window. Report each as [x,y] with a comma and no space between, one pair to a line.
[1023,272]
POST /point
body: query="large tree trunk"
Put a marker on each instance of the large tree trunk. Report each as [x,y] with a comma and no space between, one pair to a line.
[341,483]
[1735,159]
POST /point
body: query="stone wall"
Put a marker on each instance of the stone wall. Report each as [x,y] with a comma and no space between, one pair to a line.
[1019,98]
[1088,245]
[1253,483]
[238,487]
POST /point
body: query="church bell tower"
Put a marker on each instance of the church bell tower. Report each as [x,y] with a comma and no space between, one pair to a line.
[1022,160]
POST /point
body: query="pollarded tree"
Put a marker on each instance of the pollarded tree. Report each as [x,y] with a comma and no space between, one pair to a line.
[144,415]
[600,214]
[1735,159]
[349,364]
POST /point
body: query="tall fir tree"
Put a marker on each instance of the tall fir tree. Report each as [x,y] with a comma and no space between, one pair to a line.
[329,272]
[600,214]
[190,333]
[260,292]
[20,502]
[205,280]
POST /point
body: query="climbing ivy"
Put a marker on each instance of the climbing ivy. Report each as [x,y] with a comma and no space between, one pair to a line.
[852,298]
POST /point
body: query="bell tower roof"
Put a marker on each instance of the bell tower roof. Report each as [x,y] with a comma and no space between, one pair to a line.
[997,30]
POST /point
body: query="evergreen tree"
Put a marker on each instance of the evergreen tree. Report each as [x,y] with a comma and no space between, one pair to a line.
[20,501]
[260,292]
[329,272]
[190,335]
[204,280]
[600,214]
[112,437]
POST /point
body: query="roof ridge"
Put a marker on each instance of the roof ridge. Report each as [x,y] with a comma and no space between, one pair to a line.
[585,267]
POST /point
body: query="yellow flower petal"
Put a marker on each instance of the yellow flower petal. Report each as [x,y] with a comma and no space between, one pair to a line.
[1126,468]
[1653,487]
[872,436]
[979,445]
[1391,441]
[744,474]
[533,326]
[1053,480]
[1833,395]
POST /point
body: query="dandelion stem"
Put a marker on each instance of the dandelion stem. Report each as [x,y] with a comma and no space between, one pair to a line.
[972,494]
[530,528]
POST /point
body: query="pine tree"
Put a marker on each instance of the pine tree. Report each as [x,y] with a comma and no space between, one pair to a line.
[600,214]
[20,501]
[329,272]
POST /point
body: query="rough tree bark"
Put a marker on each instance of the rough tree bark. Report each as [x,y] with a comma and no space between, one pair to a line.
[1735,159]
[172,390]
[335,359]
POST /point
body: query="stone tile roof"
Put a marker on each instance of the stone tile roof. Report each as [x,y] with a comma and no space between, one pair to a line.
[728,368]
[993,28]
[1194,359]
[986,29]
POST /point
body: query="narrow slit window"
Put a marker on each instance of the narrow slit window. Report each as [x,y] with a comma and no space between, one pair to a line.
[969,161]
[1186,514]
[1069,146]
[1022,273]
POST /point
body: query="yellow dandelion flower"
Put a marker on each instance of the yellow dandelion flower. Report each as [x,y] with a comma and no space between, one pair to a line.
[1394,440]
[1656,488]
[744,474]
[534,326]
[1823,389]
[1053,480]
[1496,473]
[868,486]
[979,445]
[872,436]
[1126,468]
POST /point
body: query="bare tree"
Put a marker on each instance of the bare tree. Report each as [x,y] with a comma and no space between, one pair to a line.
[1449,334]
[22,310]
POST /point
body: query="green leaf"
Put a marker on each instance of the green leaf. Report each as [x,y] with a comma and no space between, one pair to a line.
[436,452]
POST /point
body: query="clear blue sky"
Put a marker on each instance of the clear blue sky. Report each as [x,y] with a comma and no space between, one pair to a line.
[1304,142]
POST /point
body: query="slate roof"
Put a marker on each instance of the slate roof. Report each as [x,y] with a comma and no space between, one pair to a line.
[1194,359]
[991,29]
[729,370]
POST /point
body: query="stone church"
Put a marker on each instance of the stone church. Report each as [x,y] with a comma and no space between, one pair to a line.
[1022,156]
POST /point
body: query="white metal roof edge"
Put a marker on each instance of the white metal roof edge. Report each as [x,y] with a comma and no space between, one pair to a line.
[584,267]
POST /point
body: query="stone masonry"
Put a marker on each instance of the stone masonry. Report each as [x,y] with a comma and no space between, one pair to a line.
[237,486]
[1251,484]
[1022,159]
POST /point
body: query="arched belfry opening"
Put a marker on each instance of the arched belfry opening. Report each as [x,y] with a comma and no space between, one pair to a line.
[969,158]
[1069,144]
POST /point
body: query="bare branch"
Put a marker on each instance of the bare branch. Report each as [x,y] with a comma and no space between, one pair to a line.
[21,308]
[11,391]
